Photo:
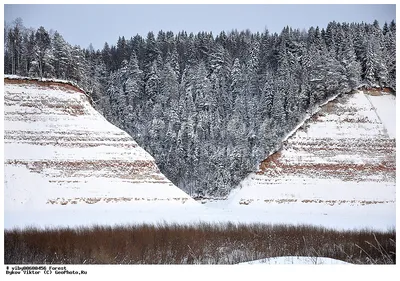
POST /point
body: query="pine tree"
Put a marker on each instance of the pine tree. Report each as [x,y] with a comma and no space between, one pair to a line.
[41,51]
[62,55]
[14,45]
[133,84]
[352,67]
[390,54]
[106,56]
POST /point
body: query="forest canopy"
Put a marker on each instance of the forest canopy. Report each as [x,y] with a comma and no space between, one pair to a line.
[210,108]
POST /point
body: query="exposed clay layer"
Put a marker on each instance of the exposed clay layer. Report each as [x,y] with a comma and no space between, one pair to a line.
[343,155]
[45,84]
[317,157]
[54,136]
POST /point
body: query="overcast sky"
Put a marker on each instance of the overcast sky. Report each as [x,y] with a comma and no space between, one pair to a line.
[96,24]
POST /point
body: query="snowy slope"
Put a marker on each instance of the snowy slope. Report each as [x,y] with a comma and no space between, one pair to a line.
[339,163]
[61,153]
[65,165]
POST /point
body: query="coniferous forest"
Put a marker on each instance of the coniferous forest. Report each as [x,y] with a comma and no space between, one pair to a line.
[209,108]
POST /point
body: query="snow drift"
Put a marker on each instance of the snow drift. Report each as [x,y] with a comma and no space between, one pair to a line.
[296,260]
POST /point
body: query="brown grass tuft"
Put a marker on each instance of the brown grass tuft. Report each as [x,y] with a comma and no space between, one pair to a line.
[201,243]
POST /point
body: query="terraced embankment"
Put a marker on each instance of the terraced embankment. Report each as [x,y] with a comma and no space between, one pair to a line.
[60,151]
[343,156]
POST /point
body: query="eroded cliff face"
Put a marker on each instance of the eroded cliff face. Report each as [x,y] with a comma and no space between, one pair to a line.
[343,156]
[59,151]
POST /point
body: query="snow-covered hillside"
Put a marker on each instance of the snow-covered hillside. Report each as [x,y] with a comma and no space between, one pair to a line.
[341,161]
[65,165]
[61,154]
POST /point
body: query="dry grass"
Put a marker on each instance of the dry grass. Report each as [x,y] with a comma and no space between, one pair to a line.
[123,169]
[94,200]
[202,243]
[353,202]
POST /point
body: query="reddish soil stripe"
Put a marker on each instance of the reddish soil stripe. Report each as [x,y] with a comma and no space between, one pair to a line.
[49,84]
